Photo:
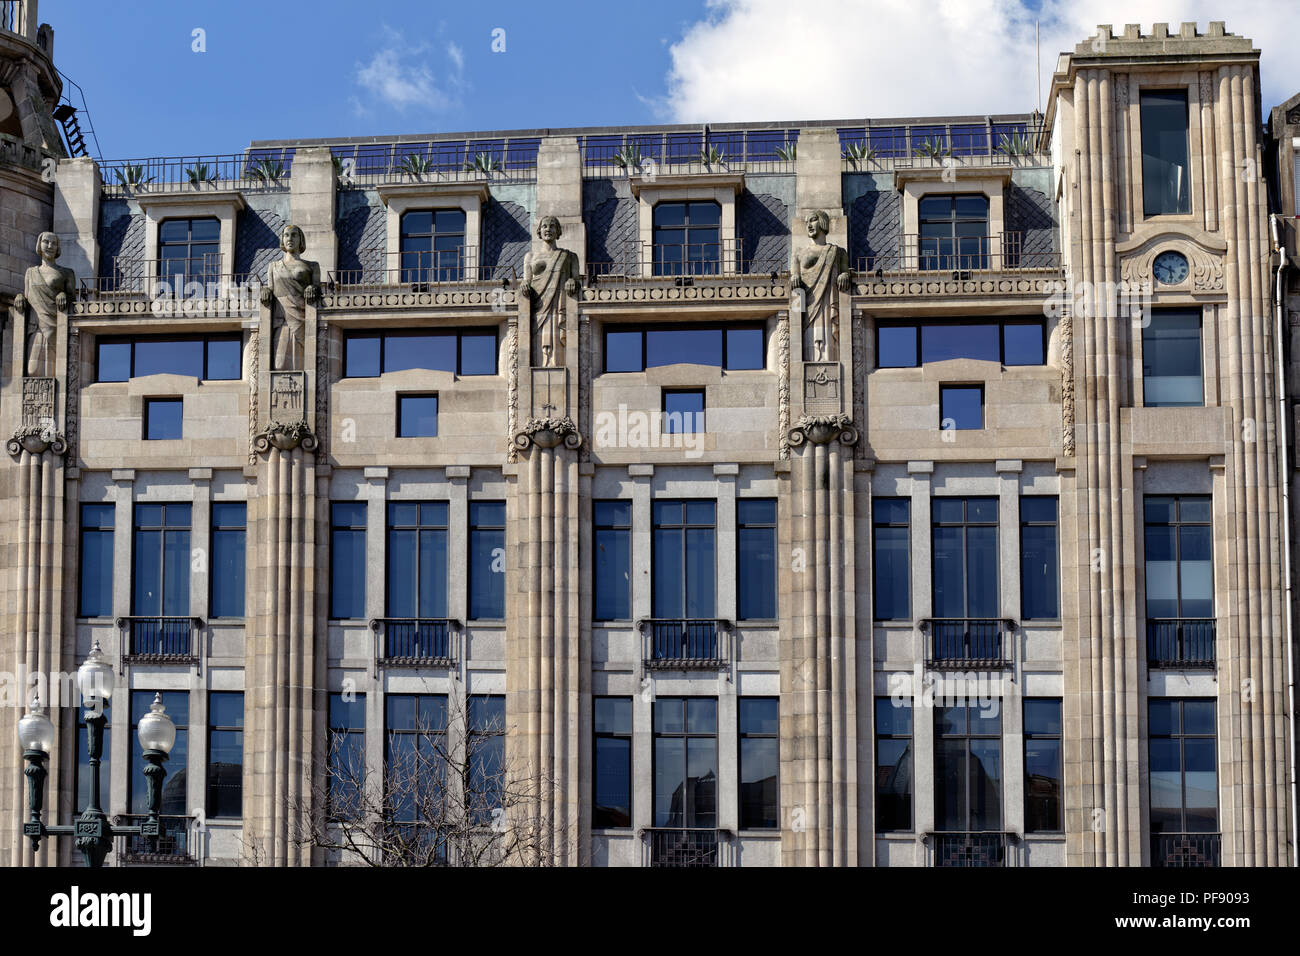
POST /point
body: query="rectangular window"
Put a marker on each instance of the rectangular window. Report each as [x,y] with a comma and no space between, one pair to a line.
[225,753]
[686,762]
[487,560]
[229,548]
[612,539]
[1044,777]
[891,558]
[417,416]
[965,555]
[683,411]
[1010,341]
[177,705]
[684,558]
[81,785]
[961,407]
[1179,563]
[686,238]
[464,352]
[1184,767]
[759,762]
[1165,166]
[206,357]
[346,755]
[756,582]
[161,586]
[417,559]
[485,753]
[189,250]
[612,762]
[893,765]
[1171,359]
[954,229]
[968,768]
[162,418]
[96,560]
[1040,577]
[432,243]
[415,759]
[731,347]
[347,559]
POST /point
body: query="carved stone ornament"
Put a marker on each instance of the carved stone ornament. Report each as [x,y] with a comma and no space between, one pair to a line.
[1205,265]
[36,439]
[285,436]
[820,429]
[549,432]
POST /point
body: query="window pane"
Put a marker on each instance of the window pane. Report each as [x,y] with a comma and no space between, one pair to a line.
[612,715]
[478,354]
[1022,343]
[228,557]
[986,784]
[1165,186]
[758,782]
[1039,572]
[1042,785]
[668,568]
[893,784]
[744,349]
[417,416]
[96,560]
[225,754]
[961,406]
[348,570]
[162,419]
[487,579]
[1171,359]
[892,582]
[756,573]
[982,571]
[223,359]
[700,573]
[673,346]
[361,358]
[896,347]
[613,562]
[1161,572]
[612,776]
[623,351]
[893,717]
[950,806]
[683,413]
[950,341]
[168,356]
[435,351]
[114,361]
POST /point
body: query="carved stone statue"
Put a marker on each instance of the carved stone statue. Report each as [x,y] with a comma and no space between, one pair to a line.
[47,289]
[820,271]
[292,282]
[549,276]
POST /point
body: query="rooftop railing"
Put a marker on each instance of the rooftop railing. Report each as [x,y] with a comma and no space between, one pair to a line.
[910,145]
[718,151]
[254,169]
[506,160]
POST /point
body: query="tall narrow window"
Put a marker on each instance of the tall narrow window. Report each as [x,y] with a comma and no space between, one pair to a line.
[685,563]
[891,564]
[96,561]
[612,533]
[968,768]
[759,762]
[177,705]
[893,765]
[189,250]
[417,559]
[686,762]
[1040,597]
[487,560]
[82,773]
[433,246]
[229,532]
[225,753]
[1165,165]
[162,560]
[686,238]
[347,559]
[1184,780]
[346,756]
[1044,783]
[611,773]
[756,559]
[965,557]
[486,757]
[1171,359]
[954,232]
[1179,580]
[415,767]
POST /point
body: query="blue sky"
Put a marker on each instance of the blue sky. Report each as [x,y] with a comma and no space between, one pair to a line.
[290,69]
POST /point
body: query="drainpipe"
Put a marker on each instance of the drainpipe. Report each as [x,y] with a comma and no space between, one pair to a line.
[1282,263]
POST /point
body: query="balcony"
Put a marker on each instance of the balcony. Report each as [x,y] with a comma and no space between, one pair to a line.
[961,258]
[1183,850]
[256,169]
[159,640]
[968,643]
[693,848]
[416,641]
[684,643]
[971,847]
[684,264]
[177,844]
[1186,643]
[418,271]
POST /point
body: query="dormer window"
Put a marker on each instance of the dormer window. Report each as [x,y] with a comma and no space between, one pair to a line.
[433,245]
[686,238]
[189,250]
[954,232]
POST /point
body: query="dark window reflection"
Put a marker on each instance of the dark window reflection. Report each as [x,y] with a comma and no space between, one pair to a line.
[1039,559]
[612,540]
[891,562]
[686,762]
[1184,769]
[759,762]
[968,767]
[756,580]
[177,705]
[1044,782]
[893,764]
[612,755]
[347,559]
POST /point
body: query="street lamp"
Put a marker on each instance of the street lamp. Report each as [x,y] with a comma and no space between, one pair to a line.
[92,831]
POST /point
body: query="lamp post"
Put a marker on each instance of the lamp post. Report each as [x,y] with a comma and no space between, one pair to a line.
[92,831]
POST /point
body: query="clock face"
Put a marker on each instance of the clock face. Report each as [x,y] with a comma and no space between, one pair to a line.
[1170,268]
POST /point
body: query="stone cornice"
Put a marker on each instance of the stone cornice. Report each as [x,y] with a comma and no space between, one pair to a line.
[420,189]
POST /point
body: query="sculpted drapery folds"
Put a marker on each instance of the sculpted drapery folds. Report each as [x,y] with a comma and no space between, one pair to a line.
[549,276]
[819,272]
[292,282]
[47,288]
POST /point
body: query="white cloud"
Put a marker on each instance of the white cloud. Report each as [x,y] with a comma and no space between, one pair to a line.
[773,60]
[399,75]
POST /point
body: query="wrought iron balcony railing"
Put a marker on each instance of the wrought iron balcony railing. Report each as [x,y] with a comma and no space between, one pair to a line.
[684,643]
[961,257]
[659,152]
[416,641]
[254,169]
[683,262]
[417,271]
[1182,642]
[970,643]
[971,847]
[694,848]
[159,640]
[176,845]
[1186,849]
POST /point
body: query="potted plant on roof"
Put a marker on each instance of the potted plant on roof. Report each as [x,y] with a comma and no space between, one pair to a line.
[933,150]
[483,165]
[200,175]
[265,172]
[132,178]
[859,154]
[629,158]
[711,156]
[415,166]
[1018,148]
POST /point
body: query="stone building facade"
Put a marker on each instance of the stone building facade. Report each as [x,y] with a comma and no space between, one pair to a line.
[892,493]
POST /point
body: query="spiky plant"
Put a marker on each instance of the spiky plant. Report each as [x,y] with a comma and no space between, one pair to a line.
[265,171]
[199,174]
[789,152]
[859,153]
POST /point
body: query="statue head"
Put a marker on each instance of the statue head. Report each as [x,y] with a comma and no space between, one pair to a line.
[548,229]
[291,240]
[47,246]
[818,222]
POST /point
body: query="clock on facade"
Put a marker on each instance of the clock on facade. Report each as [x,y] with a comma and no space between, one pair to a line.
[1170,268]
